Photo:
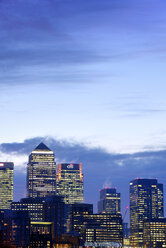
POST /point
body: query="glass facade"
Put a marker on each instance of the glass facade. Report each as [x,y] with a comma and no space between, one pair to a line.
[6,184]
[109,201]
[70,183]
[77,210]
[146,202]
[154,234]
[41,172]
[99,228]
[35,207]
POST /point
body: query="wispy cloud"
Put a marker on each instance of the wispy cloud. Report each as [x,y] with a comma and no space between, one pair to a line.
[54,34]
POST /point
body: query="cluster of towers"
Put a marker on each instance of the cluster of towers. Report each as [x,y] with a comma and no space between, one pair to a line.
[42,179]
[147,222]
[55,206]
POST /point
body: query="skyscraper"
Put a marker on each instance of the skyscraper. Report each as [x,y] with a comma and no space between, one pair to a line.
[41,172]
[154,235]
[34,206]
[146,202]
[160,200]
[109,201]
[6,184]
[100,229]
[70,182]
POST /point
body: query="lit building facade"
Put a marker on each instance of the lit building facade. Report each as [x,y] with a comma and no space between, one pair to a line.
[77,210]
[146,202]
[34,206]
[6,184]
[70,182]
[109,201]
[41,172]
[154,234]
[160,200]
[41,227]
[42,212]
[99,228]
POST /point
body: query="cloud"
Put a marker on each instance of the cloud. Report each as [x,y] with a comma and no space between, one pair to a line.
[69,34]
[99,166]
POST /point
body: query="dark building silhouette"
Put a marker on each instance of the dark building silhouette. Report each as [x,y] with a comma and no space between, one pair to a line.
[15,229]
[38,240]
[34,206]
[55,212]
[6,227]
[41,172]
[109,201]
[20,229]
[146,202]
[49,210]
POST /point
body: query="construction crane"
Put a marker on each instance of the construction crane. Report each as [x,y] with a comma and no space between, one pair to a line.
[125,213]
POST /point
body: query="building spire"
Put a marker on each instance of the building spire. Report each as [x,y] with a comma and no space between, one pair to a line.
[42,147]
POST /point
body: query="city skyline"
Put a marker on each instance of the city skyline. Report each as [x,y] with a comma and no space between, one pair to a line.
[117,172]
[64,210]
[88,79]
[89,158]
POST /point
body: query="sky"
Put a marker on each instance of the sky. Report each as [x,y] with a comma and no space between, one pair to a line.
[89,73]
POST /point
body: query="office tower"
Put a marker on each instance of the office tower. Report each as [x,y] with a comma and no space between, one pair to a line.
[41,172]
[6,227]
[99,229]
[146,202]
[38,240]
[6,184]
[77,210]
[109,201]
[46,211]
[54,212]
[70,182]
[20,229]
[41,234]
[154,233]
[160,200]
[81,209]
[34,206]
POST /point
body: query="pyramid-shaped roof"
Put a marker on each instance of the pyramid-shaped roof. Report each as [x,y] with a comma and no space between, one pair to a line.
[42,147]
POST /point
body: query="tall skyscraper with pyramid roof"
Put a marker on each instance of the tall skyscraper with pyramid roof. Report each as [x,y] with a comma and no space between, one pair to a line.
[41,172]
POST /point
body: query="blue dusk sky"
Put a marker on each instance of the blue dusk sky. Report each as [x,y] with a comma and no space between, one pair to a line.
[86,74]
